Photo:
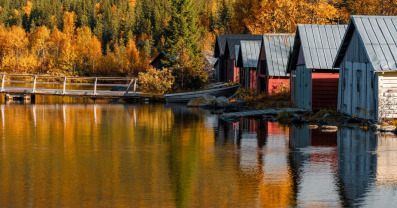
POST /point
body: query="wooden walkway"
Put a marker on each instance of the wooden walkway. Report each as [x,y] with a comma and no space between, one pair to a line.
[89,83]
[261,112]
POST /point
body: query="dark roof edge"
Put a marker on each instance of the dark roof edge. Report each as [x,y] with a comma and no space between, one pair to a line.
[162,53]
[295,52]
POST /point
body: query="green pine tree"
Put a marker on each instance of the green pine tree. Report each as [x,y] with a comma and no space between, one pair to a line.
[184,55]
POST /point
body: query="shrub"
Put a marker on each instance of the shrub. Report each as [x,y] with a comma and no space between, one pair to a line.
[156,81]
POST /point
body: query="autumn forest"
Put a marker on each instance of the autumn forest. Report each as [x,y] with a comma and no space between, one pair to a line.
[120,37]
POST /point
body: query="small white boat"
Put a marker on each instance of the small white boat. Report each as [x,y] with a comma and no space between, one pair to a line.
[185,97]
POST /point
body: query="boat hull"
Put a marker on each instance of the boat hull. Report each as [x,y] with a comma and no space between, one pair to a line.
[228,92]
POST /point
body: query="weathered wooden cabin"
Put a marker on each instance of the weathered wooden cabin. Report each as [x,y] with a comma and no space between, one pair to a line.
[272,66]
[227,63]
[314,80]
[247,61]
[367,60]
[157,62]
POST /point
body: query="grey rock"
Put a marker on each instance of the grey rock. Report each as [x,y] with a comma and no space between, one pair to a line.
[326,115]
[222,102]
[375,127]
[387,129]
[313,127]
[203,101]
[327,127]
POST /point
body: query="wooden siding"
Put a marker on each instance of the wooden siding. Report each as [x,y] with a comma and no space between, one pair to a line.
[252,79]
[358,91]
[325,90]
[388,95]
[303,87]
[275,82]
[232,71]
[356,51]
[292,85]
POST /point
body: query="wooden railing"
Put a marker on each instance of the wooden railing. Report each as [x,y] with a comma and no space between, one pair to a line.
[131,82]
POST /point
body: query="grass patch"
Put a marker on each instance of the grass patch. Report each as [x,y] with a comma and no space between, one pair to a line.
[265,101]
[284,116]
[331,114]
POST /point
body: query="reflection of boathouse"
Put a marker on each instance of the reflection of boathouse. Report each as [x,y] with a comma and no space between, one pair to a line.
[356,163]
[313,162]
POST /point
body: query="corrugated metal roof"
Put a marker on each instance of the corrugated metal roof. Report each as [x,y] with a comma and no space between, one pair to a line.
[378,35]
[249,53]
[278,48]
[320,44]
[231,47]
[220,43]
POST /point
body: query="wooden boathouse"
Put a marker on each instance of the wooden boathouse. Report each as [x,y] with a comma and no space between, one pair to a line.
[247,61]
[157,62]
[314,80]
[272,66]
[227,63]
[367,60]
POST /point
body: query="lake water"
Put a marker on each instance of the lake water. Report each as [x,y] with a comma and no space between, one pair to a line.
[156,155]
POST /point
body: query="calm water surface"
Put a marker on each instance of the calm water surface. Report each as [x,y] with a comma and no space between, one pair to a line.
[115,155]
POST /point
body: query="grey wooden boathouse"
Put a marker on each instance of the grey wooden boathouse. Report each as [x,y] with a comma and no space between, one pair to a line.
[367,60]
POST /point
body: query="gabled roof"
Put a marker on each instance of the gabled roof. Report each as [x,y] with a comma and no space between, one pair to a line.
[248,54]
[220,42]
[231,48]
[378,35]
[278,48]
[320,44]
[161,55]
[209,57]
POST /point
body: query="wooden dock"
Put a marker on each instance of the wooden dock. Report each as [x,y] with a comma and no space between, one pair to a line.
[91,85]
[261,112]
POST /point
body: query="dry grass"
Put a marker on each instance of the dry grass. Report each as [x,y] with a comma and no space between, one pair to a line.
[264,101]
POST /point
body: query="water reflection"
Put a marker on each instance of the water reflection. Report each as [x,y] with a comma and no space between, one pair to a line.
[169,155]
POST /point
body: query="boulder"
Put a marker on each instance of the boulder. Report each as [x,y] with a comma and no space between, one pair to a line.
[375,127]
[313,127]
[387,129]
[327,127]
[221,102]
[326,115]
[203,101]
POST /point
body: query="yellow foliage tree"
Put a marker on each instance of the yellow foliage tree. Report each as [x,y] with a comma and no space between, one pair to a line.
[18,41]
[132,56]
[40,43]
[156,81]
[27,9]
[94,52]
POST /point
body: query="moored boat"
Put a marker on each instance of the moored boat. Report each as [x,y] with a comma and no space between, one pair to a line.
[185,97]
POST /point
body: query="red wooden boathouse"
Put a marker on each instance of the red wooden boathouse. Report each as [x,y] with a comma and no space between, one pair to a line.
[273,61]
[314,81]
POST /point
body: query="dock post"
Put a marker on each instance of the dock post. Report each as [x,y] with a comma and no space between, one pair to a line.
[96,81]
[129,86]
[64,86]
[2,83]
[34,84]
[135,85]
